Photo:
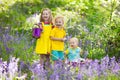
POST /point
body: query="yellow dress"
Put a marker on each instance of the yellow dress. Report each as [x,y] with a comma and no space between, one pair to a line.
[43,44]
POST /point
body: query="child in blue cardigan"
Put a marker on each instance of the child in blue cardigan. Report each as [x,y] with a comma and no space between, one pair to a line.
[74,51]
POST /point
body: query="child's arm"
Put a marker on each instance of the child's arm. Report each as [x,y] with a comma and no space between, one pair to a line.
[57,39]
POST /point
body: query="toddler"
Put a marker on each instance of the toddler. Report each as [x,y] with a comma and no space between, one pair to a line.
[73,52]
[58,37]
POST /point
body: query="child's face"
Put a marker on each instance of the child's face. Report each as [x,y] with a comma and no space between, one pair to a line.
[45,15]
[59,22]
[73,43]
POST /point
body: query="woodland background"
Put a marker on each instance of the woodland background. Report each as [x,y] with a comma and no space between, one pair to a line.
[96,23]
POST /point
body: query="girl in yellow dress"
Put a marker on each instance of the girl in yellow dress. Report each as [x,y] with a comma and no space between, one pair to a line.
[43,43]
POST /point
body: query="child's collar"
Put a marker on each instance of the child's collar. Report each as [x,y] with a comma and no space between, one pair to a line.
[59,27]
[74,48]
[46,22]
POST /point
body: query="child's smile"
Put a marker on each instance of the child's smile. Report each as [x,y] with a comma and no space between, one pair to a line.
[59,22]
[45,15]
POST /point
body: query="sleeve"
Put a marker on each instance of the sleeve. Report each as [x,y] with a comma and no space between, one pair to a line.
[67,51]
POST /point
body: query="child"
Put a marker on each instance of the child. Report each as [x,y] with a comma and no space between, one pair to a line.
[73,52]
[58,37]
[43,43]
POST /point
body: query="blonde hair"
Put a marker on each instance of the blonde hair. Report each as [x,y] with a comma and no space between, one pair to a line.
[50,18]
[59,17]
[74,39]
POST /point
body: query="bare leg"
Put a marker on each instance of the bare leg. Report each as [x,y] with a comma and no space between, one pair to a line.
[47,61]
[42,58]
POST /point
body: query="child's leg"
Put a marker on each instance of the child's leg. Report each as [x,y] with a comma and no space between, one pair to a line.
[54,57]
[60,58]
[47,60]
[42,59]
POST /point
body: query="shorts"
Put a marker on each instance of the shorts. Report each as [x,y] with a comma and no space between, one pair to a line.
[57,55]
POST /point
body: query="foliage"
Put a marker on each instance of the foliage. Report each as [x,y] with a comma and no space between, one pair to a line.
[96,23]
[18,45]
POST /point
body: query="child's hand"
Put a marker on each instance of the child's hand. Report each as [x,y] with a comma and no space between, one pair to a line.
[40,25]
[63,39]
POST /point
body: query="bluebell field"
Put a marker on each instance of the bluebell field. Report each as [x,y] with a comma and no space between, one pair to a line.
[19,62]
[104,69]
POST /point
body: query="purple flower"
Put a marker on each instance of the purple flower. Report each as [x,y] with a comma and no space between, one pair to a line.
[79,77]
[32,77]
[68,37]
[9,50]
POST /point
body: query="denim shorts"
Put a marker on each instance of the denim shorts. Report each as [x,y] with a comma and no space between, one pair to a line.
[57,55]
